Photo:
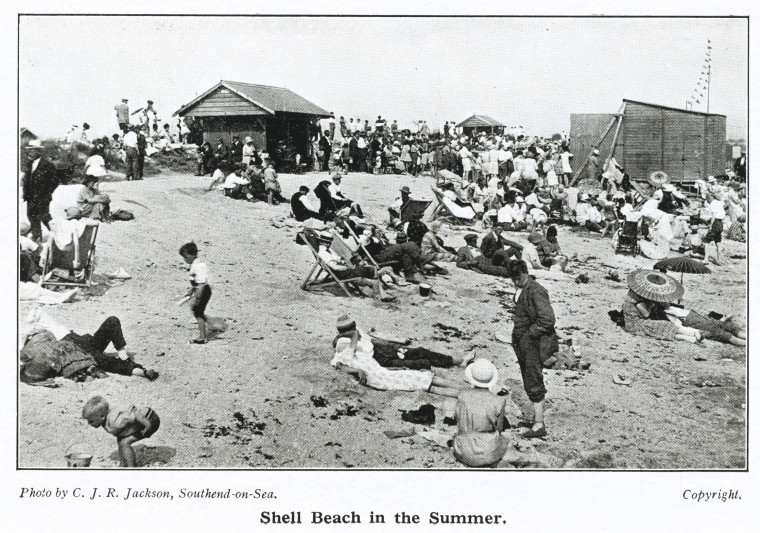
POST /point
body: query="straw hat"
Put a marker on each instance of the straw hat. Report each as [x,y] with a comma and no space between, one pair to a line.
[655,286]
[482,374]
[345,323]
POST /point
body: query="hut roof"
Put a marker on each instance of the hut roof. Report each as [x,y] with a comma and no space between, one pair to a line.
[270,99]
[480,121]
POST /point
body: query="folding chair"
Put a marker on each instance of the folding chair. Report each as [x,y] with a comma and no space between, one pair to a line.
[448,214]
[313,280]
[414,210]
[639,194]
[66,268]
[357,246]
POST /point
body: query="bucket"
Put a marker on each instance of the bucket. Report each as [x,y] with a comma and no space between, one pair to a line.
[77,458]
[425,289]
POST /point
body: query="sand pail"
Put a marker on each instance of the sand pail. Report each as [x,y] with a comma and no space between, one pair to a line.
[425,289]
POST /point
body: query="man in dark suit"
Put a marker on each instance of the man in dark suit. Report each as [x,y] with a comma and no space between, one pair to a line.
[40,180]
[493,247]
[236,150]
[469,257]
[221,154]
[534,341]
[326,148]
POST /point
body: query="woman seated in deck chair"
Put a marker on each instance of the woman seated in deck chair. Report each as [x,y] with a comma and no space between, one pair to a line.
[367,275]
[91,203]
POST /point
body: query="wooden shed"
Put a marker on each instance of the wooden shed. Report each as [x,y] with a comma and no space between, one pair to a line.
[477,123]
[277,119]
[644,138]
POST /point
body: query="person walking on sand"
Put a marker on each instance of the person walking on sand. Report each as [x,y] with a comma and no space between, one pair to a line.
[533,336]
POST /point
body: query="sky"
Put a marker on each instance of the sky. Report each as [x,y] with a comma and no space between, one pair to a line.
[532,72]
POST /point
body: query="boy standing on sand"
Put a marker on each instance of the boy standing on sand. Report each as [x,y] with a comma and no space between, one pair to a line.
[200,290]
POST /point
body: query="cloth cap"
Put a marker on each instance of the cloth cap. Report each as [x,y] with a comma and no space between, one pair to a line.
[482,374]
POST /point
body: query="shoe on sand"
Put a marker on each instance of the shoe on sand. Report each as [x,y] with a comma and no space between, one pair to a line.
[120,273]
[535,434]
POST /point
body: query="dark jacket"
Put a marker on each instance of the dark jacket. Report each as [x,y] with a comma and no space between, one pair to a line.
[491,244]
[299,210]
[38,187]
[534,316]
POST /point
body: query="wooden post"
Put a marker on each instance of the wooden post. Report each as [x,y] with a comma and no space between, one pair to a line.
[617,132]
[618,116]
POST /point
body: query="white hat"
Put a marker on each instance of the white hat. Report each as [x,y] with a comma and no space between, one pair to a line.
[248,139]
[520,200]
[482,374]
[667,187]
[710,179]
[584,197]
[34,143]
[596,152]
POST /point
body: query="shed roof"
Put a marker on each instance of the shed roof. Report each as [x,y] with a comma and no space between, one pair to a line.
[480,121]
[270,99]
[672,108]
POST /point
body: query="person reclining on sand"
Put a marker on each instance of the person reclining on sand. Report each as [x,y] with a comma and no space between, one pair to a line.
[469,257]
[498,249]
[396,354]
[356,354]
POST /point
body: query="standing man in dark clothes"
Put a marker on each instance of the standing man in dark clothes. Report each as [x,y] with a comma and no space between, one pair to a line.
[142,144]
[740,167]
[374,148]
[236,150]
[533,339]
[353,152]
[325,146]
[40,180]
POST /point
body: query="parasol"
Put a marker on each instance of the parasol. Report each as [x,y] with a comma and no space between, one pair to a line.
[655,286]
[658,178]
[682,264]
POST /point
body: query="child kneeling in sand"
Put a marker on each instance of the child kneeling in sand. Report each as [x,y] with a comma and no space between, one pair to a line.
[354,350]
[127,425]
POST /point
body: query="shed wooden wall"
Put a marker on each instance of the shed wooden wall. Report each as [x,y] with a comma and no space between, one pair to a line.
[687,146]
[224,102]
[225,127]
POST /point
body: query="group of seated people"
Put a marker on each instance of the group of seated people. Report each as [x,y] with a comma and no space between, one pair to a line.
[251,182]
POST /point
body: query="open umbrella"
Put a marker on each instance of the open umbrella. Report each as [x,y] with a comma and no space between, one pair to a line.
[655,286]
[658,178]
[682,264]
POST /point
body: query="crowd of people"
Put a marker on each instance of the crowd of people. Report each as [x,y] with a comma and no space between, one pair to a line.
[520,188]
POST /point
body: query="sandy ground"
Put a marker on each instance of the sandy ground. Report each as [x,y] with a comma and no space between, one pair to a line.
[244,399]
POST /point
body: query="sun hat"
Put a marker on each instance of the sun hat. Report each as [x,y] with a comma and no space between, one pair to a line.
[710,179]
[482,374]
[520,200]
[344,323]
[584,197]
[248,140]
[655,286]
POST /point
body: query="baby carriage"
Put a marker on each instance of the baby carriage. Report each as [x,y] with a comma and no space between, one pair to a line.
[628,238]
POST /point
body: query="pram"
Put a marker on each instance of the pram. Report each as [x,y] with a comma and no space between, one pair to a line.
[628,238]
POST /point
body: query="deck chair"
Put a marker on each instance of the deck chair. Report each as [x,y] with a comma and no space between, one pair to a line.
[64,268]
[639,194]
[442,207]
[628,238]
[414,210]
[357,246]
[321,269]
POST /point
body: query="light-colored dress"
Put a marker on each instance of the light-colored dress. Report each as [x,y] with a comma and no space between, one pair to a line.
[478,443]
[379,377]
